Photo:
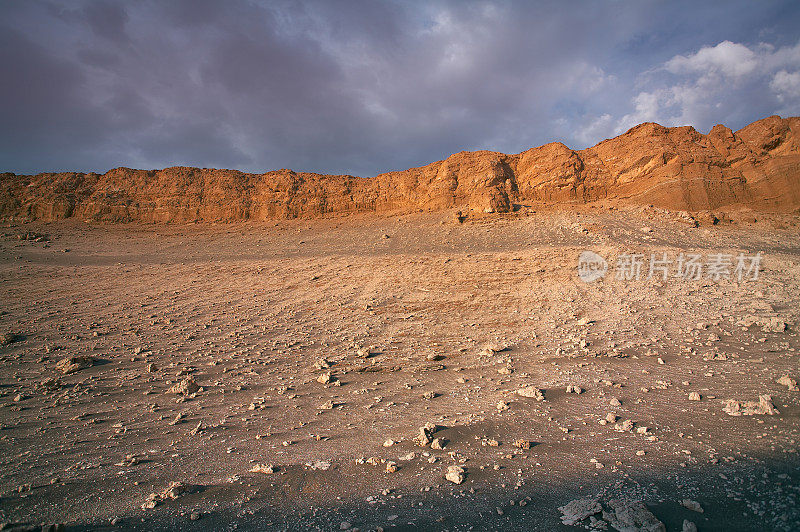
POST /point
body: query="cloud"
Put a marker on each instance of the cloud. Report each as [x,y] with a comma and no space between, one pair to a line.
[726,80]
[786,85]
[361,86]
[727,59]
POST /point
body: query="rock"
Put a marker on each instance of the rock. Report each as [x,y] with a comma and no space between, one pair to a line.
[789,383]
[429,395]
[574,389]
[130,460]
[764,406]
[767,323]
[179,489]
[625,426]
[688,526]
[455,474]
[615,402]
[345,526]
[577,510]
[632,516]
[263,468]
[425,437]
[187,386]
[689,504]
[388,443]
[391,467]
[173,491]
[532,392]
[321,465]
[522,444]
[364,352]
[623,169]
[494,347]
[326,378]
[773,324]
[73,364]
[502,406]
[438,443]
[694,396]
[322,363]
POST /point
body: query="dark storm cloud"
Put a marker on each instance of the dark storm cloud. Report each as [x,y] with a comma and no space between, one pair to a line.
[364,86]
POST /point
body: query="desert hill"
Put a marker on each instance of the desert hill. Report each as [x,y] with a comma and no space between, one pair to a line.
[674,168]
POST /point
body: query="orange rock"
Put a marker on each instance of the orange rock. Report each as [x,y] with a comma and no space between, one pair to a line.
[674,168]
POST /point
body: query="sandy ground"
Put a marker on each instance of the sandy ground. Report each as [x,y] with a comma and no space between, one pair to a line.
[401,310]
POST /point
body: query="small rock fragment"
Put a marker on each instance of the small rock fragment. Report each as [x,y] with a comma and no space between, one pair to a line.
[688,526]
[692,505]
[322,363]
[263,468]
[73,364]
[788,382]
[326,378]
[321,465]
[532,392]
[425,437]
[632,515]
[187,386]
[173,491]
[625,426]
[764,406]
[577,510]
[455,474]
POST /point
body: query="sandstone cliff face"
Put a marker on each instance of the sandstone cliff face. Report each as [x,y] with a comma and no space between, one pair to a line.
[674,168]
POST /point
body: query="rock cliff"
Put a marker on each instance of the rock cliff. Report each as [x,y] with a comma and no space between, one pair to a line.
[675,168]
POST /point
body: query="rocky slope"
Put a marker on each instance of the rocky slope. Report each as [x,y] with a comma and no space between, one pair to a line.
[674,168]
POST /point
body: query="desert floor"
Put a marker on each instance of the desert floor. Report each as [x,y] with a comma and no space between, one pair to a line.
[420,320]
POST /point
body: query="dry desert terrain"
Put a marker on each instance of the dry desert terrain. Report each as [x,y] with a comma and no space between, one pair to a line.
[400,373]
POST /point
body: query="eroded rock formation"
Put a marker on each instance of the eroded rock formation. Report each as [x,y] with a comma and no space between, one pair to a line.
[674,168]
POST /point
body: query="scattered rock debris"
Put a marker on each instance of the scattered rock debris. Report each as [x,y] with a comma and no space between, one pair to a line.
[73,364]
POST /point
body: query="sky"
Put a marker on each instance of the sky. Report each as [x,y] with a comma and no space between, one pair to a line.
[362,87]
